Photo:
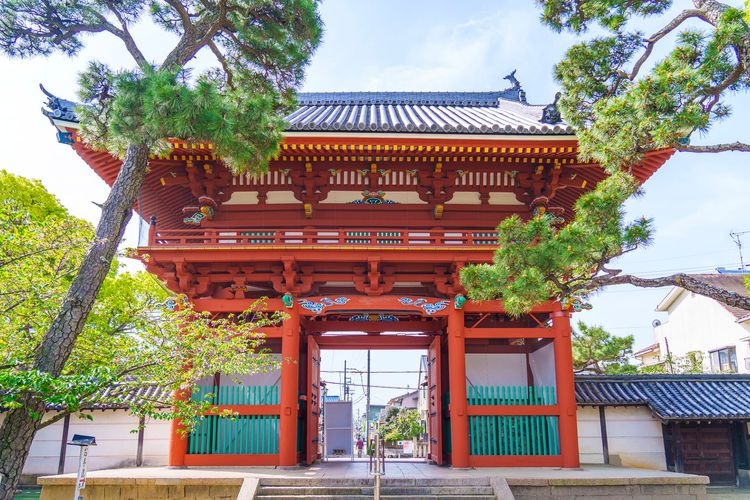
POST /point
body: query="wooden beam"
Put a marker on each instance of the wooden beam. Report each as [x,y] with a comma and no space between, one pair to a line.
[373,342]
[509,333]
[496,306]
[427,327]
[234,305]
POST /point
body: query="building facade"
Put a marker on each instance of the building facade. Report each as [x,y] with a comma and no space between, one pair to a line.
[358,231]
[701,332]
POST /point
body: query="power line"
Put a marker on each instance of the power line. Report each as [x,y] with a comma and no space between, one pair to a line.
[372,371]
[408,388]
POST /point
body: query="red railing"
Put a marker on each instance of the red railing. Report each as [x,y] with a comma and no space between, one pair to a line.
[323,237]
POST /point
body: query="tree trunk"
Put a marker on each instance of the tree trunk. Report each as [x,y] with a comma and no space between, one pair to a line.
[18,429]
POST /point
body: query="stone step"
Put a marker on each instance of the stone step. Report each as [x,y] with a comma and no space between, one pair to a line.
[385,481]
[383,497]
[411,491]
[315,490]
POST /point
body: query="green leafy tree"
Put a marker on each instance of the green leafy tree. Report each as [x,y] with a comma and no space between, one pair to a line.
[129,338]
[692,362]
[597,351]
[621,105]
[260,48]
[401,424]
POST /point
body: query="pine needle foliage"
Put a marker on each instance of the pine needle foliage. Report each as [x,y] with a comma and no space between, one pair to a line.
[540,259]
[624,104]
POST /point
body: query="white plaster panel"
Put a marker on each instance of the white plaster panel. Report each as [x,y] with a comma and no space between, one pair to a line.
[589,436]
[243,198]
[280,197]
[496,369]
[504,199]
[542,363]
[464,198]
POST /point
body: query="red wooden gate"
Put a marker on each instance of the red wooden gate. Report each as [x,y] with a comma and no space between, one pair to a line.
[434,394]
[313,400]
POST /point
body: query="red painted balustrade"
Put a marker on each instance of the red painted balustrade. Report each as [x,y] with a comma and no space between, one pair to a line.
[321,237]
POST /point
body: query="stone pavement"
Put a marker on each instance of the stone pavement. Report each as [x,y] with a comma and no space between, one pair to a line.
[525,482]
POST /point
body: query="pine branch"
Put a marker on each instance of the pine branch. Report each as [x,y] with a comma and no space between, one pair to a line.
[685,281]
[124,34]
[654,39]
[714,148]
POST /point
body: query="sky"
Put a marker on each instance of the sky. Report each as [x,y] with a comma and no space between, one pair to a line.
[428,45]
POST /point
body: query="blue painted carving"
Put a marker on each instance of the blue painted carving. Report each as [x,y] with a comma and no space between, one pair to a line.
[318,307]
[65,138]
[429,308]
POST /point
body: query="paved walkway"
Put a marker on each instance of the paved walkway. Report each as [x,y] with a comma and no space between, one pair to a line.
[394,469]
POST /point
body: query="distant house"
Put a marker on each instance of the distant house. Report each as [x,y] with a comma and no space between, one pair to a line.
[410,401]
[714,334]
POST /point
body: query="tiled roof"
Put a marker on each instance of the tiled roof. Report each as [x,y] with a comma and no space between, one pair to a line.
[503,112]
[118,396]
[421,112]
[671,397]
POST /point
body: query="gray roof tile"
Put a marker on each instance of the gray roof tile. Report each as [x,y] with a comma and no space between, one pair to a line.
[426,112]
[501,113]
[671,397]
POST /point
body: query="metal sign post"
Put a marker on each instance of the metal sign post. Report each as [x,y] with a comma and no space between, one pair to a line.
[84,442]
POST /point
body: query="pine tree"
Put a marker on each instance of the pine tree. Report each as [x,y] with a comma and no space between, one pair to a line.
[260,47]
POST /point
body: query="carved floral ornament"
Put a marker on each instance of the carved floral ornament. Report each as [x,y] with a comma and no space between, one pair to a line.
[429,306]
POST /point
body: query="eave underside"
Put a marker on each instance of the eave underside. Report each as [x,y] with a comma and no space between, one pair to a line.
[540,167]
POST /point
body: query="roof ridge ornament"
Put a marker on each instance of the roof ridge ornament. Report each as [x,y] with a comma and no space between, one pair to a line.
[515,87]
[550,113]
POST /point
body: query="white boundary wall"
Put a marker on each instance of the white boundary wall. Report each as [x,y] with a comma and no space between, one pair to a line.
[634,437]
[116,445]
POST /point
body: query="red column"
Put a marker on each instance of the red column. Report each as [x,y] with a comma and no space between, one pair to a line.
[566,397]
[178,440]
[457,387]
[289,388]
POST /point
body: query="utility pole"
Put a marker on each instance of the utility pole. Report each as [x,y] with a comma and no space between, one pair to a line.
[367,411]
[738,241]
[346,388]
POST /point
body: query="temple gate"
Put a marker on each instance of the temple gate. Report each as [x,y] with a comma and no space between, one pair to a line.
[362,224]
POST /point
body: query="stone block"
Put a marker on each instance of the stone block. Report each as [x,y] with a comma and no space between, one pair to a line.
[55,492]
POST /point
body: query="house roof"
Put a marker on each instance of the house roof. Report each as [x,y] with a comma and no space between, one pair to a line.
[502,112]
[731,282]
[120,397]
[671,397]
[402,397]
[647,350]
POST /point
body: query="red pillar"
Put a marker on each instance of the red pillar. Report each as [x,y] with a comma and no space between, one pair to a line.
[289,388]
[457,386]
[178,441]
[566,397]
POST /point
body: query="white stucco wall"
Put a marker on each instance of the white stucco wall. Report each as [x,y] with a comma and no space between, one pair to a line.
[116,444]
[634,437]
[542,363]
[697,323]
[496,369]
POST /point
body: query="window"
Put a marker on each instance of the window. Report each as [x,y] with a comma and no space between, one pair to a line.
[724,360]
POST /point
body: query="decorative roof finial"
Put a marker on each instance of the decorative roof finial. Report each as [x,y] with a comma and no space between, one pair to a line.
[550,113]
[516,85]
